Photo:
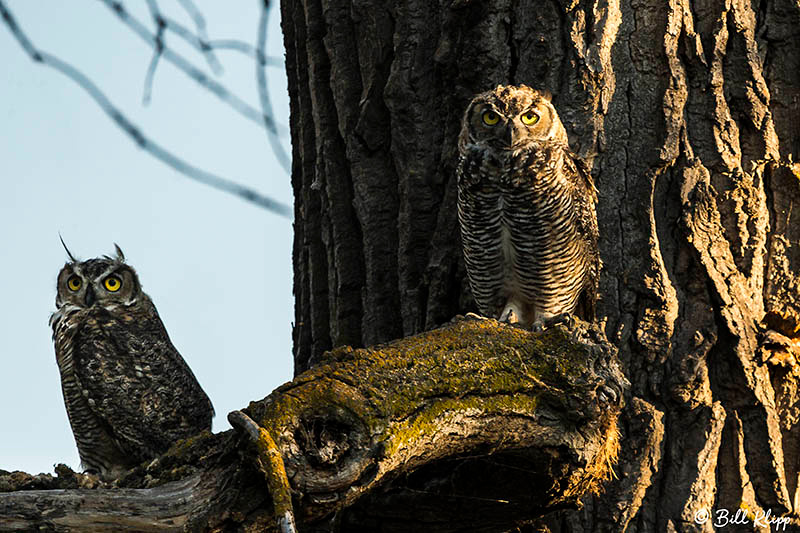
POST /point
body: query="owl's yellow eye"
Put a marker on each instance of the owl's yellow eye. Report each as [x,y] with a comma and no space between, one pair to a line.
[112,283]
[490,118]
[529,117]
[74,283]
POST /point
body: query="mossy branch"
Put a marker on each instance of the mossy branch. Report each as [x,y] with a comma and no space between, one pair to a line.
[459,423]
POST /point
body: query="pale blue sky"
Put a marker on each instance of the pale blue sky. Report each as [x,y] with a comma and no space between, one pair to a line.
[217,268]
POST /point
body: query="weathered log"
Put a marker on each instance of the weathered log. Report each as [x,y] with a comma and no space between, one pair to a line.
[367,432]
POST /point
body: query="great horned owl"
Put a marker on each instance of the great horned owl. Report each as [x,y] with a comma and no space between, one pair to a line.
[526,206]
[129,394]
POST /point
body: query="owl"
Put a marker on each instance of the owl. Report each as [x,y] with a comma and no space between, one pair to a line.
[128,392]
[526,208]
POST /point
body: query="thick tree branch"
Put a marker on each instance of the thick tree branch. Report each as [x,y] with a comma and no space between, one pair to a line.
[164,508]
[411,425]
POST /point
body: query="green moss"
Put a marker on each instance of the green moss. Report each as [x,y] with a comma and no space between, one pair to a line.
[431,420]
[458,362]
[183,448]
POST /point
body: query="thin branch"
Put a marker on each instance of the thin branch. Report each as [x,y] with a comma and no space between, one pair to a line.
[203,44]
[134,132]
[263,93]
[199,44]
[197,17]
[202,36]
[270,462]
[158,20]
[186,66]
[248,49]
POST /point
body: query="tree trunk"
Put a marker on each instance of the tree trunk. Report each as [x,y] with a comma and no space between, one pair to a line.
[688,113]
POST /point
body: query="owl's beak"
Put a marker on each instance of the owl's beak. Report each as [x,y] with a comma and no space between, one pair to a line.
[513,134]
[89,298]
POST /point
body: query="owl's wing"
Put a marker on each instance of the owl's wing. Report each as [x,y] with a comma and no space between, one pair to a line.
[468,169]
[584,194]
[137,383]
[584,198]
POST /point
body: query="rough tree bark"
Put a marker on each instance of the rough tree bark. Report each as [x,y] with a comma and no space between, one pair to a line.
[688,112]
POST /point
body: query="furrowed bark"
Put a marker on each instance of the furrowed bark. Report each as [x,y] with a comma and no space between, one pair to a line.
[688,113]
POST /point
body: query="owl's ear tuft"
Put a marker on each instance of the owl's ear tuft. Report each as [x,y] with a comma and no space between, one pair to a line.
[120,256]
[547,95]
[69,254]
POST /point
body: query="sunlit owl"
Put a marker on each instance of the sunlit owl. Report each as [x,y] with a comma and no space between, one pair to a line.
[129,394]
[526,206]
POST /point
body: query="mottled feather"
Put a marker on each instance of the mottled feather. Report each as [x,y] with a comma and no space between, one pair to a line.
[526,209]
[128,392]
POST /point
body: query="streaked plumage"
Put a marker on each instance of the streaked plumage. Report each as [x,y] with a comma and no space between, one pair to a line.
[128,392]
[526,207]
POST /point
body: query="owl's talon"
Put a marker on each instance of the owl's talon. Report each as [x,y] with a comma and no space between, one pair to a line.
[89,479]
[567,319]
[474,316]
[509,316]
[542,324]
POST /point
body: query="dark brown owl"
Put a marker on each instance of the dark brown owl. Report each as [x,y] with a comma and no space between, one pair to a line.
[129,394]
[526,207]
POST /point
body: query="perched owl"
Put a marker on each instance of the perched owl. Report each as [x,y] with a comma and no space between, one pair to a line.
[526,206]
[129,394]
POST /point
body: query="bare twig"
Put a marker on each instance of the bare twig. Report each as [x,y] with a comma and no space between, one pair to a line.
[202,36]
[248,49]
[158,20]
[197,17]
[263,93]
[203,44]
[186,66]
[133,131]
[198,43]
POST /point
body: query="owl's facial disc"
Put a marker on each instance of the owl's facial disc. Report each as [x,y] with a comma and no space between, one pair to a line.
[102,282]
[508,128]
